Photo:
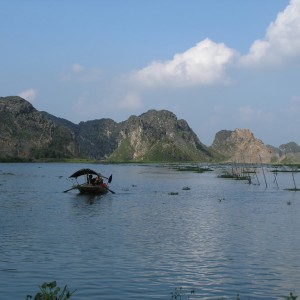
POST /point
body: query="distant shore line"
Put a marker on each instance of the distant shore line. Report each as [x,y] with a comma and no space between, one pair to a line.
[106,162]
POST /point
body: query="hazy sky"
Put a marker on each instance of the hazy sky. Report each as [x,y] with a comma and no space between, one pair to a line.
[218,64]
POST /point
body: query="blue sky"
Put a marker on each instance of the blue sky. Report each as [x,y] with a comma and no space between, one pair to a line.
[218,64]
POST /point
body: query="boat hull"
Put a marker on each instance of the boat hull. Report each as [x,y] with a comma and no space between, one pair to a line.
[91,189]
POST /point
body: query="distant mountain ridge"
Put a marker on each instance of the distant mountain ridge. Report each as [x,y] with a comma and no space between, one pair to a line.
[240,145]
[158,136]
[154,136]
[25,132]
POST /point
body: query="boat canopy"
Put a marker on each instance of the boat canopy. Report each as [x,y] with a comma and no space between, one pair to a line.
[84,172]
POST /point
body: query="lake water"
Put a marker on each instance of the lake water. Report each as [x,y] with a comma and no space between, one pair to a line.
[220,238]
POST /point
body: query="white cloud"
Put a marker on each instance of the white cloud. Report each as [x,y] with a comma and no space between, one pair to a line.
[29,95]
[131,101]
[281,41]
[80,74]
[203,64]
[207,62]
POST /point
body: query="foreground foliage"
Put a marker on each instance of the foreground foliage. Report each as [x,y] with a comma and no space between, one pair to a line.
[49,291]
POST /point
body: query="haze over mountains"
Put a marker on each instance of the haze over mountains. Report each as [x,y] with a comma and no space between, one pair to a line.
[154,136]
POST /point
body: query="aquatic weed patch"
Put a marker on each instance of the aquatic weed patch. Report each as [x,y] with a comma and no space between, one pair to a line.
[192,168]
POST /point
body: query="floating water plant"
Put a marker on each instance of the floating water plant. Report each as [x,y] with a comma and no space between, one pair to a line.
[235,176]
[291,297]
[186,188]
[192,168]
[173,193]
[181,294]
[293,189]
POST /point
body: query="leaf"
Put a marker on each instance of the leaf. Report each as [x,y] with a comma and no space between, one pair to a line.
[52,284]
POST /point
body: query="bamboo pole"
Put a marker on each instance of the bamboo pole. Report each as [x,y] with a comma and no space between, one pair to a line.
[263,171]
[294,181]
[275,179]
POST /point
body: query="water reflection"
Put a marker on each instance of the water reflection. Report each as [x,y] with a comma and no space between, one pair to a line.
[88,199]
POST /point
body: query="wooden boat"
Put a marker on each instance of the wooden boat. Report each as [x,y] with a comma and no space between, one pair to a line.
[93,182]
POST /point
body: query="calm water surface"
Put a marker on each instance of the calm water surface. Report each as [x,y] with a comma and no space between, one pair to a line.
[221,237]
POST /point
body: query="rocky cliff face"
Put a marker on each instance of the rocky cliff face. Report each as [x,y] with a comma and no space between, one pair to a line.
[158,136]
[240,145]
[97,139]
[153,136]
[26,132]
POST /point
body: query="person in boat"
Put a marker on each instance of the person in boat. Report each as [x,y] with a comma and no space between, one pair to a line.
[91,179]
[99,181]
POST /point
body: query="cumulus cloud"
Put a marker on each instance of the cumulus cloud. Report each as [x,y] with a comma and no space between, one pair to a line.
[281,41]
[203,64]
[29,95]
[207,62]
[81,74]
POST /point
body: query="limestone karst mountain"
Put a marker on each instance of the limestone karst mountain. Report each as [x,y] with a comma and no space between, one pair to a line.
[240,145]
[159,136]
[27,133]
[154,136]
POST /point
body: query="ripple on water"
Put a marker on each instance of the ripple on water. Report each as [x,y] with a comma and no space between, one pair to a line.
[221,237]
